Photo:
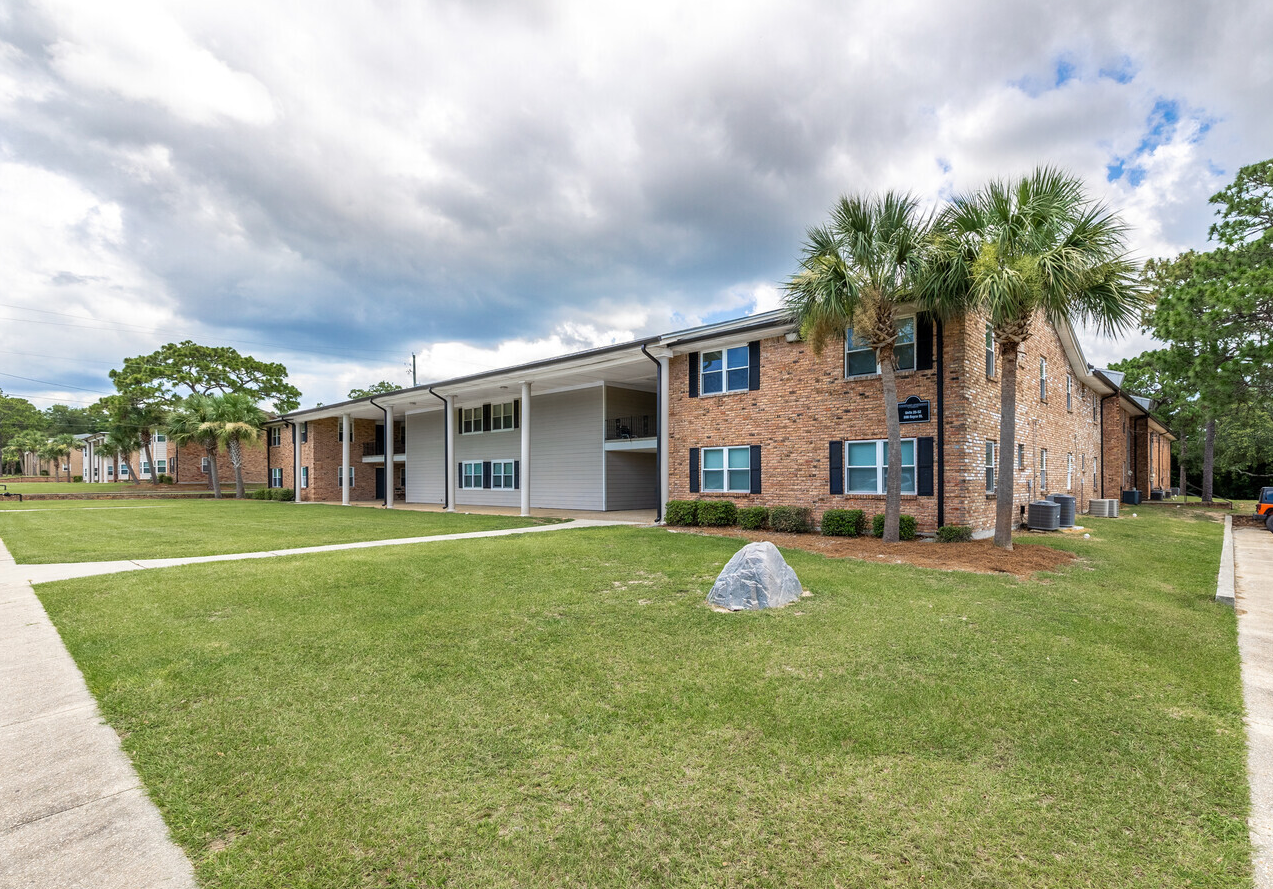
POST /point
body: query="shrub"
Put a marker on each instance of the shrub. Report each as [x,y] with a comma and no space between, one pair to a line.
[77,478]
[44,472]
[681,512]
[717,513]
[753,518]
[905,527]
[791,519]
[165,479]
[261,494]
[954,534]
[843,522]
[284,494]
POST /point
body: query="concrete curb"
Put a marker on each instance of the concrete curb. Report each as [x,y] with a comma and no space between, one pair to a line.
[1225,581]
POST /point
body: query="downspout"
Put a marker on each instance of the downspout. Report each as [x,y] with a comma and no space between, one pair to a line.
[446,466]
[941,426]
[388,455]
[1101,468]
[658,433]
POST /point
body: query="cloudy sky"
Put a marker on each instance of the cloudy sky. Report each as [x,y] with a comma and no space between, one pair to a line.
[337,185]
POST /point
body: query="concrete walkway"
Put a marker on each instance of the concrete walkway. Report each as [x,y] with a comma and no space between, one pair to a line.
[73,812]
[1253,600]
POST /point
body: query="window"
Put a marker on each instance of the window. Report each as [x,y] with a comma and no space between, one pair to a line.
[161,466]
[340,481]
[304,476]
[1020,456]
[203,465]
[276,436]
[1095,403]
[159,436]
[727,469]
[725,370]
[867,471]
[502,474]
[1043,379]
[1069,392]
[110,470]
[990,350]
[1043,470]
[502,417]
[859,358]
[471,475]
[276,477]
[145,467]
[123,470]
[470,421]
[990,467]
[304,432]
[1069,472]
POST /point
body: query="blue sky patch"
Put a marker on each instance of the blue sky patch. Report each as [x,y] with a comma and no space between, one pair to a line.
[1121,72]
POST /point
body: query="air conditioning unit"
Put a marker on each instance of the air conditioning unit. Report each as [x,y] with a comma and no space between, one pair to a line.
[1066,502]
[1103,509]
[1044,515]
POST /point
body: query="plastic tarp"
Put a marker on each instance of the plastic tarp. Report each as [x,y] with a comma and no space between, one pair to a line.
[756,577]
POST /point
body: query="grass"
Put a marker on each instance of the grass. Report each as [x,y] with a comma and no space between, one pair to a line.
[86,531]
[563,710]
[105,487]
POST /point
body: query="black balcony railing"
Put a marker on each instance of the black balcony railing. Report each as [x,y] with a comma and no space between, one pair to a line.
[621,428]
[377,448]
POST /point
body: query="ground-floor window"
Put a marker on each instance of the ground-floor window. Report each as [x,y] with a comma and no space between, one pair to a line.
[1043,470]
[203,465]
[123,470]
[145,467]
[727,470]
[304,476]
[868,470]
[162,466]
[502,474]
[1020,456]
[471,475]
[340,476]
[110,470]
[276,477]
[990,467]
[1069,472]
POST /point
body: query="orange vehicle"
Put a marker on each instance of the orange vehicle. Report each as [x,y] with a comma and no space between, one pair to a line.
[1265,507]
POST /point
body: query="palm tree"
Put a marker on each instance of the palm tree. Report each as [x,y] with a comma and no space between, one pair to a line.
[30,442]
[239,420]
[855,272]
[60,447]
[10,455]
[194,420]
[121,441]
[1022,248]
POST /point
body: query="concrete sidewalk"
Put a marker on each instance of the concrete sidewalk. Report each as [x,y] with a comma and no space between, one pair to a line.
[1253,600]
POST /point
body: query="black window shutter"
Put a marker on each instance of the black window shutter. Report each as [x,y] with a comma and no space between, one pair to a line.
[924,466]
[755,469]
[753,365]
[517,413]
[459,421]
[924,341]
[693,375]
[486,418]
[693,470]
[836,449]
[517,475]
[486,474]
[459,475]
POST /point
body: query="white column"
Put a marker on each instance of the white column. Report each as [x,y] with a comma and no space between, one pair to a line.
[525,471]
[346,433]
[296,462]
[388,456]
[664,462]
[88,461]
[449,426]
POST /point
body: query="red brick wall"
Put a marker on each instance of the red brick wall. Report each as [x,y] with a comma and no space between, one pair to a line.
[190,464]
[321,453]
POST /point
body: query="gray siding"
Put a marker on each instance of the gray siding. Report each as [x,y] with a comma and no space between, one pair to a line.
[503,445]
[425,440]
[565,450]
[632,481]
[631,403]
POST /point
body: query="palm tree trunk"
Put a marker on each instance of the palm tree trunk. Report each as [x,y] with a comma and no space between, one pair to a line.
[214,477]
[1005,486]
[236,460]
[1208,460]
[133,476]
[893,477]
[1184,492]
[150,460]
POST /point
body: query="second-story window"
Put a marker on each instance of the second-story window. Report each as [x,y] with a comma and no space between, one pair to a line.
[275,436]
[725,370]
[990,350]
[1069,392]
[1043,379]
[502,417]
[470,420]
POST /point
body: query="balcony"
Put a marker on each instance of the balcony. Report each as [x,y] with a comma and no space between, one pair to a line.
[377,448]
[635,433]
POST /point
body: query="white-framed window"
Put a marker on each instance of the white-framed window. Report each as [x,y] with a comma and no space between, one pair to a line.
[1043,470]
[160,437]
[1096,402]
[470,420]
[1069,392]
[304,432]
[203,465]
[867,473]
[1069,472]
[145,467]
[1043,379]
[727,470]
[725,370]
[502,474]
[991,467]
[471,474]
[1020,456]
[859,358]
[990,350]
[340,476]
[110,470]
[161,466]
[276,477]
[304,476]
[502,416]
[276,436]
[123,470]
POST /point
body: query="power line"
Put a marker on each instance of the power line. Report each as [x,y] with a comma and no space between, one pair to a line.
[50,383]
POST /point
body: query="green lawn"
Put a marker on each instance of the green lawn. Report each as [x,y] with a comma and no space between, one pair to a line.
[95,531]
[17,487]
[562,710]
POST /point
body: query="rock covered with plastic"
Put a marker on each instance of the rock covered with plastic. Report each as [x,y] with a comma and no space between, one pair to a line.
[756,577]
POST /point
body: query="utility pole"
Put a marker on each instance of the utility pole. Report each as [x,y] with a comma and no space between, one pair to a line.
[413,382]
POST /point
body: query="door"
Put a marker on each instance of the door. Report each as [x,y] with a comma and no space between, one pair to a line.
[380,483]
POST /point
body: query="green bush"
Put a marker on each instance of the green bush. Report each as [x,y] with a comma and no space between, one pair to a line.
[166,479]
[44,472]
[261,494]
[717,513]
[77,478]
[681,512]
[905,527]
[791,519]
[284,494]
[753,518]
[843,522]
[954,534]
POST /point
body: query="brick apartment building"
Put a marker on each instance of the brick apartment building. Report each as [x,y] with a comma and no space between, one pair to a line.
[187,465]
[742,410]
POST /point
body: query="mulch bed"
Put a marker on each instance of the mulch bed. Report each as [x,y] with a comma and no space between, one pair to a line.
[980,556]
